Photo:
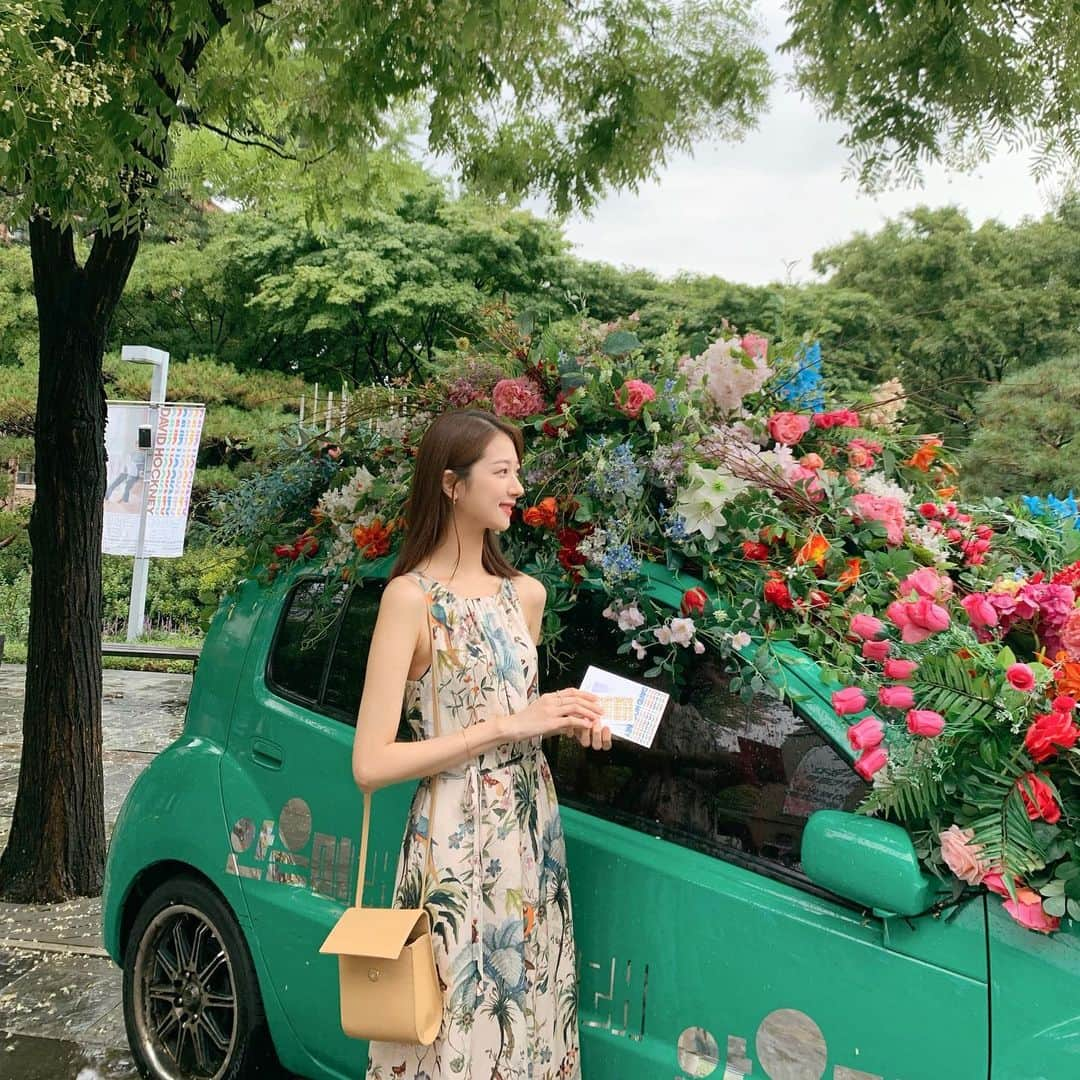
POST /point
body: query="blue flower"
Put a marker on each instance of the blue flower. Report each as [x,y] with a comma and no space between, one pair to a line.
[802,388]
[1062,510]
[494,868]
[619,561]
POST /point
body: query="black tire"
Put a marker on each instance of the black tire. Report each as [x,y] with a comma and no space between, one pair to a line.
[192,1006]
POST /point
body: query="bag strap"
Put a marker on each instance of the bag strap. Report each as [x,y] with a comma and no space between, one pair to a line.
[366,798]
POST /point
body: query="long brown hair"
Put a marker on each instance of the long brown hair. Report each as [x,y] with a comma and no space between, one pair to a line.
[455,440]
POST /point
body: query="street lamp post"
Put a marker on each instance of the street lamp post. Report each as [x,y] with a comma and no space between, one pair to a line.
[143,354]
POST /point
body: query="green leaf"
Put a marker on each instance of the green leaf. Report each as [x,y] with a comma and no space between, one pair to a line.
[621,342]
[1055,905]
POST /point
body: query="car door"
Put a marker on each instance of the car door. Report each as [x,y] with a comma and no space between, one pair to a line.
[702,948]
[295,810]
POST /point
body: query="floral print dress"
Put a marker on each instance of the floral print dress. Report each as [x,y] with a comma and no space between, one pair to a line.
[500,909]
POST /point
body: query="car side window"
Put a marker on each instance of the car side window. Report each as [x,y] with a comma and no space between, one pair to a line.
[735,778]
[320,649]
[301,645]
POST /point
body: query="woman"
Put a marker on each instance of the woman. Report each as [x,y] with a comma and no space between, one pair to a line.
[500,909]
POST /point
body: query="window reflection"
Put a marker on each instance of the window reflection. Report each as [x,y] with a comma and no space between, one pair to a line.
[723,774]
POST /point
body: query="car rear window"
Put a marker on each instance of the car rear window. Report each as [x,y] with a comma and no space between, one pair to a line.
[735,778]
[321,645]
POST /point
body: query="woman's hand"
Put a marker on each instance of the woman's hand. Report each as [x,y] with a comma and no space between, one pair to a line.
[598,737]
[562,712]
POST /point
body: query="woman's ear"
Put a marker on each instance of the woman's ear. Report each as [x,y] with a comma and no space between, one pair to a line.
[449,483]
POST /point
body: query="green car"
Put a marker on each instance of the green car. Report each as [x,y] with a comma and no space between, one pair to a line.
[733,918]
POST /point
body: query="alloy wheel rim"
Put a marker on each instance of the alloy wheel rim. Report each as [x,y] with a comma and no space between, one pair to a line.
[185,996]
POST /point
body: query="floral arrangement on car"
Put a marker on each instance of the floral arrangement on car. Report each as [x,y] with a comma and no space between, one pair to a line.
[952,630]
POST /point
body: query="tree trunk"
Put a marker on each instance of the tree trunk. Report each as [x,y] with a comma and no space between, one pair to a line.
[56,848]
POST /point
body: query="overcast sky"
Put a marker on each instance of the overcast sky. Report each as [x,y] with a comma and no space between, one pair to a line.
[746,210]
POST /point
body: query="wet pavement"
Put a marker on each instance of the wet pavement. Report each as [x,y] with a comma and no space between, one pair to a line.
[60,1011]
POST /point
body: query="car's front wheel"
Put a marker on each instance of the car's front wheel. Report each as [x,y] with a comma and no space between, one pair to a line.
[191,998]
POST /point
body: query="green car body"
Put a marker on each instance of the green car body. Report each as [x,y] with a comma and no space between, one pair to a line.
[716,949]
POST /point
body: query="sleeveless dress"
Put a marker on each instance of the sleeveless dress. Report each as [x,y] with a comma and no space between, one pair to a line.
[500,910]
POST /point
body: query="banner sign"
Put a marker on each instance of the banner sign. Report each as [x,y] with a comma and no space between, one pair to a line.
[155,481]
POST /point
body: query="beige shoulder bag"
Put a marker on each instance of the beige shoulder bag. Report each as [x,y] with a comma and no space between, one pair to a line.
[386,962]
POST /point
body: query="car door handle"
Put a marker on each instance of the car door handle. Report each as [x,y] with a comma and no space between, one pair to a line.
[267,754]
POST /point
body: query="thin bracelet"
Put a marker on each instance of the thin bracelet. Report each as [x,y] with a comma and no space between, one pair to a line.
[465,739]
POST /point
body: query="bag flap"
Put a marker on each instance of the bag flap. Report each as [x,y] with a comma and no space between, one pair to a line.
[381,932]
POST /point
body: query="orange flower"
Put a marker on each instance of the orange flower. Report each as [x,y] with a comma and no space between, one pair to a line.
[544,513]
[850,575]
[1067,678]
[923,458]
[374,539]
[813,551]
[947,492]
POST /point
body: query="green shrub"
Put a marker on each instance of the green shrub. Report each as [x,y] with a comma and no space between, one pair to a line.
[15,607]
[1028,437]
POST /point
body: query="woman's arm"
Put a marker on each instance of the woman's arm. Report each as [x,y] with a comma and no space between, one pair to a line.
[378,759]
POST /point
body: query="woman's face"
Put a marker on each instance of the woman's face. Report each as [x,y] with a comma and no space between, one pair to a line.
[493,487]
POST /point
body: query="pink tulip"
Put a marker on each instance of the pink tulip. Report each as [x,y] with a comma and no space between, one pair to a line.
[869,761]
[925,722]
[1021,677]
[896,697]
[900,669]
[866,627]
[849,700]
[918,620]
[866,734]
[980,611]
[875,650]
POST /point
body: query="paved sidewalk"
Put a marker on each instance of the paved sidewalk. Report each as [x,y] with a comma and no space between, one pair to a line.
[60,1011]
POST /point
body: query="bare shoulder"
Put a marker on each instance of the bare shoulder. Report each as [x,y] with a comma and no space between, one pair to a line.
[402,596]
[532,592]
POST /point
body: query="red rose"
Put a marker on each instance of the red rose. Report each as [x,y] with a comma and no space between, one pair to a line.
[776,591]
[285,551]
[694,601]
[751,549]
[1050,732]
[307,545]
[1038,799]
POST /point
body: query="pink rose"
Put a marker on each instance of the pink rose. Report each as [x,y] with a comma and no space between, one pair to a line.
[896,697]
[517,398]
[995,883]
[788,427]
[869,761]
[1063,703]
[849,700]
[1070,635]
[925,722]
[900,669]
[866,734]
[866,626]
[875,650]
[961,856]
[755,345]
[1021,677]
[889,511]
[928,584]
[980,611]
[1027,910]
[631,397]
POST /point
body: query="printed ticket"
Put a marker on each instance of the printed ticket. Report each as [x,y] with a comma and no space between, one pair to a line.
[631,710]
